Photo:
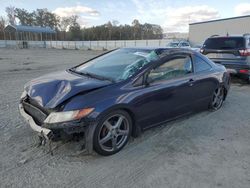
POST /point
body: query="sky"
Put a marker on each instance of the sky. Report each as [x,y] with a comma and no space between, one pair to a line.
[171,15]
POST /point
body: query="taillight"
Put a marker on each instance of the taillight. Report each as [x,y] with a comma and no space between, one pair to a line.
[244,71]
[245,52]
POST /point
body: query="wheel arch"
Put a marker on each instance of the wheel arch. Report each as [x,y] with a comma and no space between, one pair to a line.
[226,83]
[136,130]
[225,92]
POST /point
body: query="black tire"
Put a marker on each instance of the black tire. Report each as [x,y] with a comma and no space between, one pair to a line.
[108,139]
[248,81]
[217,99]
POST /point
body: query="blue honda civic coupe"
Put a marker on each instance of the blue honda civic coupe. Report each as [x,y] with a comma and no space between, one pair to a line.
[120,93]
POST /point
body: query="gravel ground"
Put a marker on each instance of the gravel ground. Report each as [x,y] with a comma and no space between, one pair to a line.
[204,150]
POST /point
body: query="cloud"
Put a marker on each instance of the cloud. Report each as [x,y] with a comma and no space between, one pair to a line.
[173,19]
[242,9]
[179,18]
[150,10]
[76,10]
[85,14]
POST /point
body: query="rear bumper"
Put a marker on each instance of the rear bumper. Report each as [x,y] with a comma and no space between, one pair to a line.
[241,70]
[238,73]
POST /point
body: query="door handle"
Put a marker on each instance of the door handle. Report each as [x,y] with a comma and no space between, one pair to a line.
[191,82]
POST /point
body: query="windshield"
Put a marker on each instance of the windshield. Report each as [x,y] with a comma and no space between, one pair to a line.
[224,43]
[119,64]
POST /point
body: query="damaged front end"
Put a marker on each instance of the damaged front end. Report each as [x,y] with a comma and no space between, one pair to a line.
[43,103]
[50,129]
[36,117]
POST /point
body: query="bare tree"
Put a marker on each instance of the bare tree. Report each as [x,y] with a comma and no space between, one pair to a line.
[44,18]
[136,24]
[64,23]
[2,23]
[75,28]
[109,26]
[24,17]
[115,23]
[10,11]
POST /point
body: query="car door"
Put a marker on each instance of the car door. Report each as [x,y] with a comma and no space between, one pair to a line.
[168,91]
[205,83]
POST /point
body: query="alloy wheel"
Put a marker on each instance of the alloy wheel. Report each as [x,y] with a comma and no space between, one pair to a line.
[114,133]
[218,98]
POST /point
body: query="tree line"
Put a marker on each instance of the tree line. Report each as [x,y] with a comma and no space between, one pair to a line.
[68,28]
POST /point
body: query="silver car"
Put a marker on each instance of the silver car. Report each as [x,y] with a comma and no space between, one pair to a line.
[179,44]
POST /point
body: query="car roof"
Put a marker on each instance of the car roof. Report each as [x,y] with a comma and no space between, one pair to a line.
[231,36]
[160,49]
[167,51]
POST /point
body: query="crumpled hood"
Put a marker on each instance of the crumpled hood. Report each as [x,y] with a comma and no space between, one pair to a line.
[53,89]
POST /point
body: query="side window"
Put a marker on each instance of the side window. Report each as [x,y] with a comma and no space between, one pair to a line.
[185,44]
[174,68]
[201,65]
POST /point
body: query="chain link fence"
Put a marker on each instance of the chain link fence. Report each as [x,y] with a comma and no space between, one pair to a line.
[84,45]
[43,40]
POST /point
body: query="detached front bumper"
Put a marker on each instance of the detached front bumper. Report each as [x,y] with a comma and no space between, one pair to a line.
[60,131]
[47,133]
[55,131]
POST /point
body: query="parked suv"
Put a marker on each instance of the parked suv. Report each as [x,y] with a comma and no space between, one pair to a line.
[231,51]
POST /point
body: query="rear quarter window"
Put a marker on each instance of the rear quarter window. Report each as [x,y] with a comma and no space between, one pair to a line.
[225,43]
[201,65]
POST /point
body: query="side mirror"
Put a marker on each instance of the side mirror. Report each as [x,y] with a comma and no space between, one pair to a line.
[147,80]
[138,82]
[142,80]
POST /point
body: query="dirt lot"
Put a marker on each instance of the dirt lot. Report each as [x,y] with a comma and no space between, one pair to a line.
[204,150]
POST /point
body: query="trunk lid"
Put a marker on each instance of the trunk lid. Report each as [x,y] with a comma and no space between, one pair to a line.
[224,54]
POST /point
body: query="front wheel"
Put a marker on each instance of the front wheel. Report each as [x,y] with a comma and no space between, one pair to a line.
[112,132]
[218,99]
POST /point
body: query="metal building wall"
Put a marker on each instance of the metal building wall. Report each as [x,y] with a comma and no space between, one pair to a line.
[199,32]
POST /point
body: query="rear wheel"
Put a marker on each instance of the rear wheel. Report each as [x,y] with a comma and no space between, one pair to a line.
[218,99]
[112,132]
[248,81]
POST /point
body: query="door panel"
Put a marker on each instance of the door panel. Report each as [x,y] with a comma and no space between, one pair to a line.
[168,94]
[150,104]
[205,83]
[202,91]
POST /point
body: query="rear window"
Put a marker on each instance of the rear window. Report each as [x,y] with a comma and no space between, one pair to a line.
[225,43]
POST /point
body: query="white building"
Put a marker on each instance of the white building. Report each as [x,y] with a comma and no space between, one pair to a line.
[200,31]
